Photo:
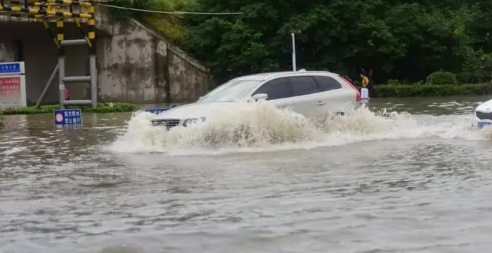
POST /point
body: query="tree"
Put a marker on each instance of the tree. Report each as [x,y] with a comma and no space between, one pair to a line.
[397,39]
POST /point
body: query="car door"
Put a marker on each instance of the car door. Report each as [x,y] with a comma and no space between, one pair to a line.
[279,92]
[297,93]
[305,99]
[332,97]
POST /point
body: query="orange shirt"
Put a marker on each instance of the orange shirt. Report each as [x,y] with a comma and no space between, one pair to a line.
[365,80]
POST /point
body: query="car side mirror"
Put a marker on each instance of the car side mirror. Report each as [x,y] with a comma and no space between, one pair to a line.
[260,96]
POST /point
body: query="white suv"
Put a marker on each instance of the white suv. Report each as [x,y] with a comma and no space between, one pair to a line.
[309,93]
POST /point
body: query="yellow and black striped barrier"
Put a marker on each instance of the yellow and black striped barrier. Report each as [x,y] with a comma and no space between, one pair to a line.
[55,40]
[91,27]
[49,11]
[27,3]
[43,12]
[60,36]
[85,4]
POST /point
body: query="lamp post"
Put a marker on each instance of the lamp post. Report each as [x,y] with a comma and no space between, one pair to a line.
[294,67]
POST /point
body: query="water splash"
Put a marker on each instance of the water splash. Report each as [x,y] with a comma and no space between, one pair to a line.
[486,133]
[246,126]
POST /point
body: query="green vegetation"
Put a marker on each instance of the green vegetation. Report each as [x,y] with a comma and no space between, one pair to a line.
[430,90]
[438,84]
[101,108]
[402,40]
[442,78]
[170,26]
[399,40]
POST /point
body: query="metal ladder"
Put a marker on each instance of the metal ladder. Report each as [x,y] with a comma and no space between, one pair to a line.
[91,78]
[88,40]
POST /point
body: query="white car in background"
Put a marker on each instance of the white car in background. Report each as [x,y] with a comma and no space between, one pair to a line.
[312,94]
[483,114]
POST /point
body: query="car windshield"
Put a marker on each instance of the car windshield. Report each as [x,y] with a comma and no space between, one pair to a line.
[230,91]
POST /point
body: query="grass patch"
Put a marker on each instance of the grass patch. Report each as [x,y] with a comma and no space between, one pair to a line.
[430,90]
[170,26]
[101,108]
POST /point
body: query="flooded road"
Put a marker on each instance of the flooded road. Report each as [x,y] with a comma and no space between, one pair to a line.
[417,181]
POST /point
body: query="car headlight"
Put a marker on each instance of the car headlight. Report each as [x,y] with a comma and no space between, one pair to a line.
[189,122]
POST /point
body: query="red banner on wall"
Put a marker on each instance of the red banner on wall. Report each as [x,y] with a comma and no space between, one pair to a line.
[10,92]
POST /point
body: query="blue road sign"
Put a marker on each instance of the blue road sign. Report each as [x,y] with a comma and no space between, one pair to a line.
[482,124]
[68,116]
[156,110]
[10,68]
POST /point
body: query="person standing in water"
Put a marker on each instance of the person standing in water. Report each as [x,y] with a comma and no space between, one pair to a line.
[367,81]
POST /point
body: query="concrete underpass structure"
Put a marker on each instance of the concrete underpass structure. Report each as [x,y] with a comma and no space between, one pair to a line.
[134,63]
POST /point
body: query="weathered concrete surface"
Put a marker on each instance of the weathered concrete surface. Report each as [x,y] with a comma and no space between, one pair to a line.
[135,64]
[6,52]
[140,65]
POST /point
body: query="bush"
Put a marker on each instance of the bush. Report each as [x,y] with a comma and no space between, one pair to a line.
[442,78]
[393,82]
[427,90]
[403,82]
[101,108]
[477,66]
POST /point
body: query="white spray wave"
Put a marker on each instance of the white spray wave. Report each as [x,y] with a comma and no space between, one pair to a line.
[250,127]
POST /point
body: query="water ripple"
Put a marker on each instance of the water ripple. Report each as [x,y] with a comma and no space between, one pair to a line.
[61,191]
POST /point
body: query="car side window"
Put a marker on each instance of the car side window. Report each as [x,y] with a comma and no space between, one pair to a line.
[276,89]
[303,85]
[326,83]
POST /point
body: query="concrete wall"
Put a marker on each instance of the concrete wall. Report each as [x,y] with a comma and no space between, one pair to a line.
[135,64]
[139,65]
